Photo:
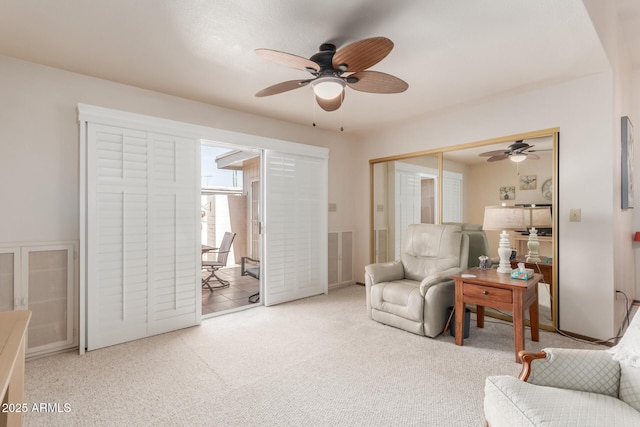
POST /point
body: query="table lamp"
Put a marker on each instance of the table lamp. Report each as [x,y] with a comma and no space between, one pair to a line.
[504,218]
[536,217]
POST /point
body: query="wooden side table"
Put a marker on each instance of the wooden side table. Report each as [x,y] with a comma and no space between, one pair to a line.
[488,288]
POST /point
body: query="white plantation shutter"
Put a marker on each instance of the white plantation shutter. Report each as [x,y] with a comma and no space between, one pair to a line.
[295,232]
[142,234]
[407,205]
[175,226]
[451,197]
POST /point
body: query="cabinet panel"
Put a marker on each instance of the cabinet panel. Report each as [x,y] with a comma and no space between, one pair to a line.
[41,278]
[9,278]
[340,257]
[48,273]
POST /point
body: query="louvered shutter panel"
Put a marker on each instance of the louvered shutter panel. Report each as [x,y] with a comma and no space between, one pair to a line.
[295,233]
[174,213]
[117,239]
[141,234]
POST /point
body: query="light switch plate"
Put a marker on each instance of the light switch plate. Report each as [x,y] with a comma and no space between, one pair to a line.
[575,215]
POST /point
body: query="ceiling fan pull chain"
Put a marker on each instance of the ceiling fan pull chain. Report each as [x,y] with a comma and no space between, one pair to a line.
[313,101]
[341,127]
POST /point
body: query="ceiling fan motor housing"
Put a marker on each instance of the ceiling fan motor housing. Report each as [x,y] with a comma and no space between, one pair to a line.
[324,59]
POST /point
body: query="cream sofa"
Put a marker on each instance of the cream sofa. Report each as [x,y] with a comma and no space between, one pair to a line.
[567,387]
[414,292]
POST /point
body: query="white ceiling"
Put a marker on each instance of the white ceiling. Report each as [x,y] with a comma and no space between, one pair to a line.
[449,52]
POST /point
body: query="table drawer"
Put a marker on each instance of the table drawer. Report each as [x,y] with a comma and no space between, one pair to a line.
[488,293]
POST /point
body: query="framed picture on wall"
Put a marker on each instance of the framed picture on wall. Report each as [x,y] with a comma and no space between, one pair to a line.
[626,170]
[528,182]
[507,193]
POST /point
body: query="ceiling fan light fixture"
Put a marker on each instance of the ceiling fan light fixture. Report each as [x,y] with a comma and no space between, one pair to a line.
[517,158]
[328,87]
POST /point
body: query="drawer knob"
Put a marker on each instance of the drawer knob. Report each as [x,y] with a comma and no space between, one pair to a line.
[485,292]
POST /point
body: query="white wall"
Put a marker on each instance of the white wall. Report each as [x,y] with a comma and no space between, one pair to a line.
[582,109]
[39,145]
[635,120]
[604,17]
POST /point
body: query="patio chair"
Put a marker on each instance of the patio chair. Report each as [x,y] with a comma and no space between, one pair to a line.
[251,267]
[220,261]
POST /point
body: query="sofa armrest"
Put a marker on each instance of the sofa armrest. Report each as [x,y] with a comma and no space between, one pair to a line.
[584,370]
[384,272]
[439,277]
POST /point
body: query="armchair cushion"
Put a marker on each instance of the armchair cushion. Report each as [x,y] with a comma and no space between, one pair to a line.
[430,249]
[630,385]
[510,402]
[400,298]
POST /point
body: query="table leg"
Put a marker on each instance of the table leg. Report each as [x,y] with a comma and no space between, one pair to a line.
[518,323]
[459,312]
[480,316]
[534,318]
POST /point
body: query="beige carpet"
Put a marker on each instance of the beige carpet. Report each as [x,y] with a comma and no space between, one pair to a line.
[319,362]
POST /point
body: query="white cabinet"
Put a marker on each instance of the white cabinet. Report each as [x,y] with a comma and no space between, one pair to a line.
[340,259]
[41,278]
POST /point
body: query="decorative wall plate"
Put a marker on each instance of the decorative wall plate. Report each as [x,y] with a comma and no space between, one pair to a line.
[547,189]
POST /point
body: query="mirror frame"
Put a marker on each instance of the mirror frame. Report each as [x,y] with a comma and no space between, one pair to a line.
[552,132]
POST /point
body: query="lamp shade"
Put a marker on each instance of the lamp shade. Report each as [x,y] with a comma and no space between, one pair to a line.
[503,218]
[538,217]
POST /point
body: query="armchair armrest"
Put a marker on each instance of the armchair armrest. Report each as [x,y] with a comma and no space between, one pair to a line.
[384,272]
[439,277]
[584,370]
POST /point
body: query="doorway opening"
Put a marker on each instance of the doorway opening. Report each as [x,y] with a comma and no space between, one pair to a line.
[229,213]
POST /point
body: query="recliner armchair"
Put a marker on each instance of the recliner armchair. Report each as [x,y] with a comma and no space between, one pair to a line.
[478,244]
[415,292]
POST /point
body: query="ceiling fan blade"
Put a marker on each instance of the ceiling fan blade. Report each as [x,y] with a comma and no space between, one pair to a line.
[330,104]
[282,87]
[496,158]
[377,82]
[362,54]
[288,59]
[493,153]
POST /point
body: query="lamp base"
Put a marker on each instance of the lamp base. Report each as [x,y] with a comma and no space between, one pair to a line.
[534,245]
[504,252]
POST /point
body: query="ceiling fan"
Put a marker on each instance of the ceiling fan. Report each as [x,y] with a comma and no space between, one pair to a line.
[516,152]
[333,69]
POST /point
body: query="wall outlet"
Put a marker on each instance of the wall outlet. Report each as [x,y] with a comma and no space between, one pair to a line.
[575,215]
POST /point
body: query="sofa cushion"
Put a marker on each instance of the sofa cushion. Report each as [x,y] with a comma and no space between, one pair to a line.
[511,402]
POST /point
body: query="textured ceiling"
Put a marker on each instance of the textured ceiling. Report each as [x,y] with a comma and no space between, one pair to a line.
[450,52]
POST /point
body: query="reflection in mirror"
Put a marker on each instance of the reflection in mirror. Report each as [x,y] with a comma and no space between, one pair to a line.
[404,192]
[491,183]
[413,189]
